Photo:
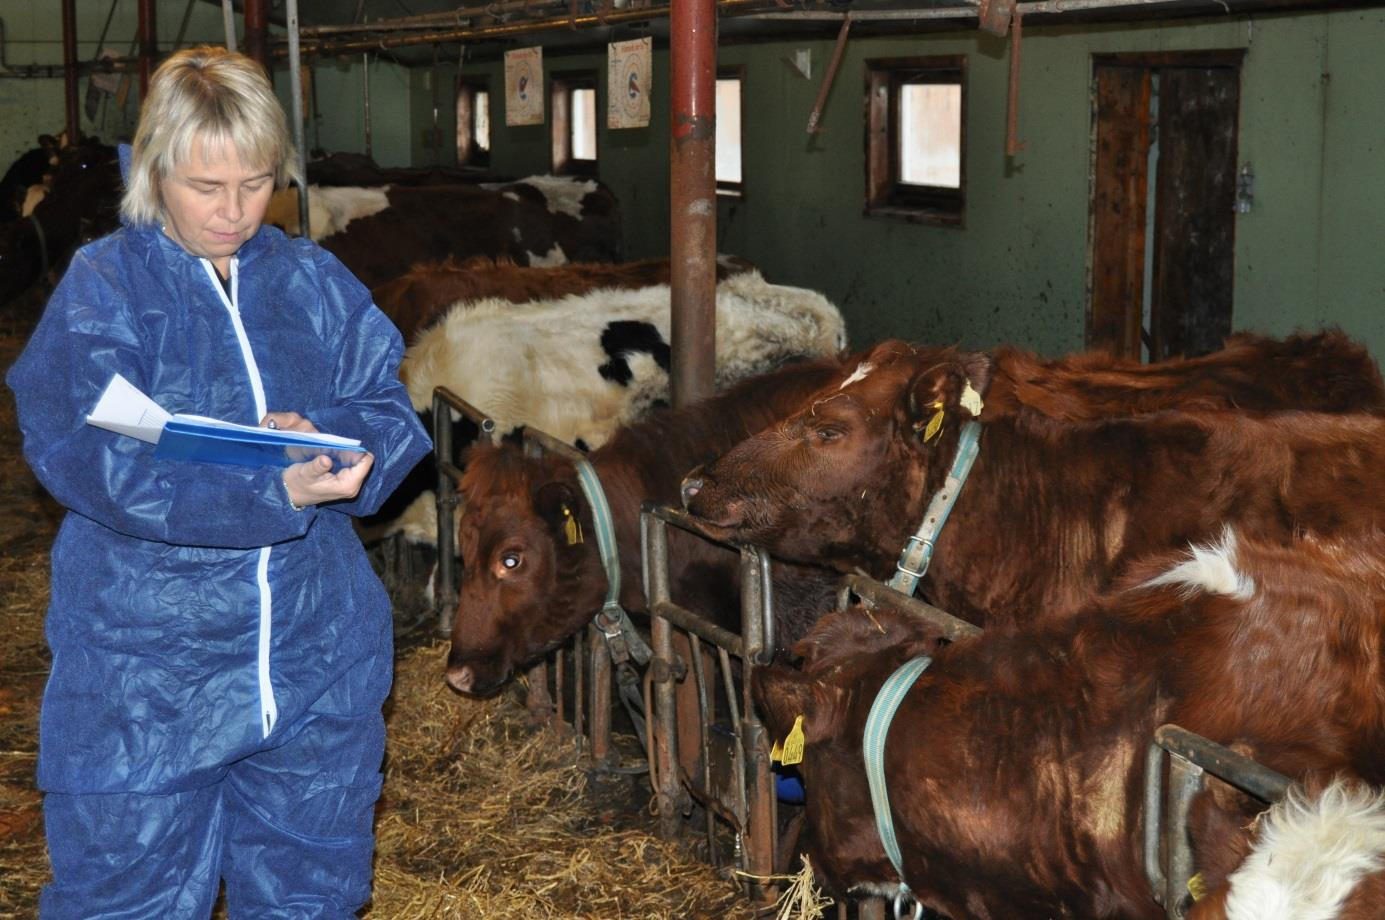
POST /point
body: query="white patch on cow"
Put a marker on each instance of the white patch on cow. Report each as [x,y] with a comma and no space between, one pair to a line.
[538,363]
[1309,855]
[563,194]
[553,257]
[330,208]
[861,373]
[32,197]
[1211,568]
[514,231]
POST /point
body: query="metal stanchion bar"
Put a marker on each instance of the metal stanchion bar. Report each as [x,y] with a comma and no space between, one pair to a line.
[874,592]
[749,809]
[1191,757]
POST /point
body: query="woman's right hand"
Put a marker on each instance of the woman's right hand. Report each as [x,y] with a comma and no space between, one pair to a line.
[313,482]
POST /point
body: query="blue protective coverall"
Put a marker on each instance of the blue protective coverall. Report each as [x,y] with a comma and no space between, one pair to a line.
[219,659]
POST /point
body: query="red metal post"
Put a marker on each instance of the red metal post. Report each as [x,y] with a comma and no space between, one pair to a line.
[74,121]
[148,44]
[257,32]
[693,197]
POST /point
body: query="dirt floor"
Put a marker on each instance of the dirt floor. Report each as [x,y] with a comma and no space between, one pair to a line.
[482,816]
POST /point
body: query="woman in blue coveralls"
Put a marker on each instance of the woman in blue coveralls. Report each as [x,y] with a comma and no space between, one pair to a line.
[221,648]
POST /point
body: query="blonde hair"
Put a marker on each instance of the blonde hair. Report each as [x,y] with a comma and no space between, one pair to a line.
[210,95]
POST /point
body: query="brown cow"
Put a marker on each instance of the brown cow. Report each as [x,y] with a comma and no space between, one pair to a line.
[1015,764]
[422,295]
[1315,854]
[1058,503]
[525,588]
[380,232]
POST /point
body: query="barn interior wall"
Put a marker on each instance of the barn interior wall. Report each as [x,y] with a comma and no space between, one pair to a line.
[1016,272]
[33,35]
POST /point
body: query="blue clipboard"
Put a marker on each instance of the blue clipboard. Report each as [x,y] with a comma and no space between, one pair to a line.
[184,439]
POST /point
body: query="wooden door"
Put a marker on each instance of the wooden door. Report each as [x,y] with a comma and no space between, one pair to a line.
[1182,108]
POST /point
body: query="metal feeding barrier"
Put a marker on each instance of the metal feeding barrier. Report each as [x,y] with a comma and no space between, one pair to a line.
[730,775]
[1191,757]
[547,693]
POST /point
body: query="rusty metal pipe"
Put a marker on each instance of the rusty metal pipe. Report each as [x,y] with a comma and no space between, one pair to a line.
[693,198]
[257,32]
[148,44]
[815,118]
[564,22]
[74,122]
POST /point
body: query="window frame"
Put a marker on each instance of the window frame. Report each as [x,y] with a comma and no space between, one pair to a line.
[734,190]
[560,92]
[474,157]
[886,195]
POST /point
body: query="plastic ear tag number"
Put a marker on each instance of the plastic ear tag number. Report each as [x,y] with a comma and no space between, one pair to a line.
[1197,887]
[572,529]
[793,744]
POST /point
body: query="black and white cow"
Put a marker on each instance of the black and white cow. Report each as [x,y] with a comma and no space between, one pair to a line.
[581,366]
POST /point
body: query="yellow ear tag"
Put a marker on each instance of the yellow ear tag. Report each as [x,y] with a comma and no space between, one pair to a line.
[971,401]
[1197,887]
[935,425]
[793,745]
[777,752]
[571,527]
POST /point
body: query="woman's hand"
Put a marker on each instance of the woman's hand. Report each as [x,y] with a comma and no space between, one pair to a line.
[313,482]
[287,421]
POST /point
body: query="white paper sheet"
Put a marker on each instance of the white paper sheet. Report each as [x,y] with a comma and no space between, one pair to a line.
[125,409]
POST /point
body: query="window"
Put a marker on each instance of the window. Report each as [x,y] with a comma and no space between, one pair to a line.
[729,83]
[916,138]
[574,124]
[473,124]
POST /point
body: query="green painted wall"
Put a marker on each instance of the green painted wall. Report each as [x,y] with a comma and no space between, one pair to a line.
[1306,255]
[30,107]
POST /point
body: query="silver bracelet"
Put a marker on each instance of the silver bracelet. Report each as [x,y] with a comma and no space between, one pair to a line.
[292,504]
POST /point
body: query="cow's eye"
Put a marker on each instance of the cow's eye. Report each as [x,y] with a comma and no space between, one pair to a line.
[826,435]
[509,562]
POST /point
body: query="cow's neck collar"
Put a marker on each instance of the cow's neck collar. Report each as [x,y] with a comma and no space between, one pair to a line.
[622,641]
[882,711]
[918,550]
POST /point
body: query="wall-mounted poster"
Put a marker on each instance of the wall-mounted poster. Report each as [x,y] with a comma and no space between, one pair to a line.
[524,86]
[627,83]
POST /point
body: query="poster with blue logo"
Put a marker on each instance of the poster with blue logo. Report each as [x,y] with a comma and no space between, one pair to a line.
[627,83]
[524,87]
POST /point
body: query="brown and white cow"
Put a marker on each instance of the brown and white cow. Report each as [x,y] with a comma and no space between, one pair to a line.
[1081,468]
[379,232]
[415,300]
[1316,854]
[1015,764]
[525,588]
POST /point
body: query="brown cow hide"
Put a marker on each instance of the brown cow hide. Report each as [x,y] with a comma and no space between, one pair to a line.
[1015,764]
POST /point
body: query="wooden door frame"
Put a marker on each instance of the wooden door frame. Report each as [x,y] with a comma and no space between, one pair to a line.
[1232,58]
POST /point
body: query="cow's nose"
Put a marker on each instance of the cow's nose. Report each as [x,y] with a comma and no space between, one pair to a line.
[461,679]
[692,484]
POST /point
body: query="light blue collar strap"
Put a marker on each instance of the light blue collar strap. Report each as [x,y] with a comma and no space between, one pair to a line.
[873,748]
[918,551]
[621,638]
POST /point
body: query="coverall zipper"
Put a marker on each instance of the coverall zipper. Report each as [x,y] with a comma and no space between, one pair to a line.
[269,711]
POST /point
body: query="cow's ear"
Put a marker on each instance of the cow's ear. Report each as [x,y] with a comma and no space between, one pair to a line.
[784,695]
[944,392]
[556,502]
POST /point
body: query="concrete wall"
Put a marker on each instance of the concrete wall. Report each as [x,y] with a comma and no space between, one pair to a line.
[30,107]
[1305,255]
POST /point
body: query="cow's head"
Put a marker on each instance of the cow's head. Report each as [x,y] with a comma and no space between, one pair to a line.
[526,586]
[846,659]
[828,483]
